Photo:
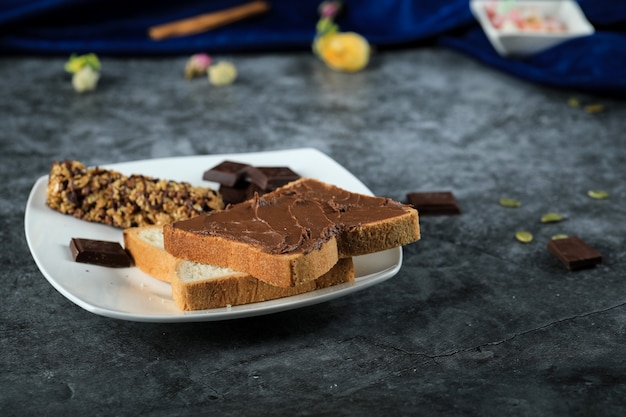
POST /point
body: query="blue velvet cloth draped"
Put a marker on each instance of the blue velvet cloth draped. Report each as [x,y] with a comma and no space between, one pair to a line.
[595,64]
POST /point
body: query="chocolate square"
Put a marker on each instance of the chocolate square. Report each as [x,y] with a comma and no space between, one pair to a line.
[574,253]
[235,194]
[253,188]
[270,178]
[226,173]
[99,252]
[434,202]
[240,192]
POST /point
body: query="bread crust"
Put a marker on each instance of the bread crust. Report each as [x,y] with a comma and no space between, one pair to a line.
[378,236]
[148,257]
[282,270]
[244,289]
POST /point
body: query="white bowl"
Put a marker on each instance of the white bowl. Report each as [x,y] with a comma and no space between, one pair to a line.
[522,43]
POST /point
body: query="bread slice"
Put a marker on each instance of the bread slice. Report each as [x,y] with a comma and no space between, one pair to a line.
[201,286]
[294,234]
[145,245]
[197,286]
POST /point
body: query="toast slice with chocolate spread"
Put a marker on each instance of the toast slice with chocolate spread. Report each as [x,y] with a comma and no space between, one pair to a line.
[197,286]
[295,233]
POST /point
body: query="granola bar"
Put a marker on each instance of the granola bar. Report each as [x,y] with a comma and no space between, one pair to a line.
[109,197]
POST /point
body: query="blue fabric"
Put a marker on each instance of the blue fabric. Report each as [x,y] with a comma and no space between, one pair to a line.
[112,27]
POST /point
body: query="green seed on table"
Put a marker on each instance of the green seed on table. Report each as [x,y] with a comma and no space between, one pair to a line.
[573,102]
[560,236]
[510,202]
[598,194]
[523,236]
[552,218]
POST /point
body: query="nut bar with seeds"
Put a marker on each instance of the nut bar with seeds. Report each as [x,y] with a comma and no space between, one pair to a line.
[105,196]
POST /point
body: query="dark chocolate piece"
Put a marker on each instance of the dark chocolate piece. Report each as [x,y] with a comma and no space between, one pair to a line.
[270,178]
[235,194]
[252,189]
[240,192]
[99,252]
[239,182]
[574,253]
[226,173]
[434,202]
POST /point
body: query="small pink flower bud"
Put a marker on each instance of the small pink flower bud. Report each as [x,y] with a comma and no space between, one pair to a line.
[197,65]
[329,9]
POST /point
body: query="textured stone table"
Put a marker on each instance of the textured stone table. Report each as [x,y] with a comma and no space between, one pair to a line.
[475,322]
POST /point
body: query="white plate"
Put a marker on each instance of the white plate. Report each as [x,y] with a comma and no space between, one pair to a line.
[527,43]
[130,294]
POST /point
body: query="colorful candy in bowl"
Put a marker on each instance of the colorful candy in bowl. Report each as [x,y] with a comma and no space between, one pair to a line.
[522,28]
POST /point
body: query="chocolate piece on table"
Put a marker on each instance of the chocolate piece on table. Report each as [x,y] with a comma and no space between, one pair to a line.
[99,252]
[574,253]
[434,202]
[270,178]
[226,173]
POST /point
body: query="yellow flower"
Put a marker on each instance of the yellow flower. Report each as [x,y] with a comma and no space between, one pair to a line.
[222,73]
[78,62]
[74,65]
[343,51]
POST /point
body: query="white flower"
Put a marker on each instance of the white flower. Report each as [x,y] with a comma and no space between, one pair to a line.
[222,73]
[86,79]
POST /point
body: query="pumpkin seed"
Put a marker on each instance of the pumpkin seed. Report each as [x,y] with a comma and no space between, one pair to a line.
[559,236]
[523,236]
[510,202]
[573,102]
[598,194]
[594,108]
[552,218]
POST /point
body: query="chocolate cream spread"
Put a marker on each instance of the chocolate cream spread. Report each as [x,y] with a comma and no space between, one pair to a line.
[297,218]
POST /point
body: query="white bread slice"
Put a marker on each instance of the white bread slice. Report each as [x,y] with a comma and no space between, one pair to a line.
[197,286]
[201,286]
[318,223]
[145,245]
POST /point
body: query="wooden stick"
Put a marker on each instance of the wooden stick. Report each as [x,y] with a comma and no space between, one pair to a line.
[208,21]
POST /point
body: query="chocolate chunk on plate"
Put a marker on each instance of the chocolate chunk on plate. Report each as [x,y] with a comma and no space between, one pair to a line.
[235,194]
[434,202]
[240,192]
[100,252]
[269,178]
[226,173]
[574,253]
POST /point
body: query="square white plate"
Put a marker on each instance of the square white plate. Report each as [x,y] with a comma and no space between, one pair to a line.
[527,43]
[130,294]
